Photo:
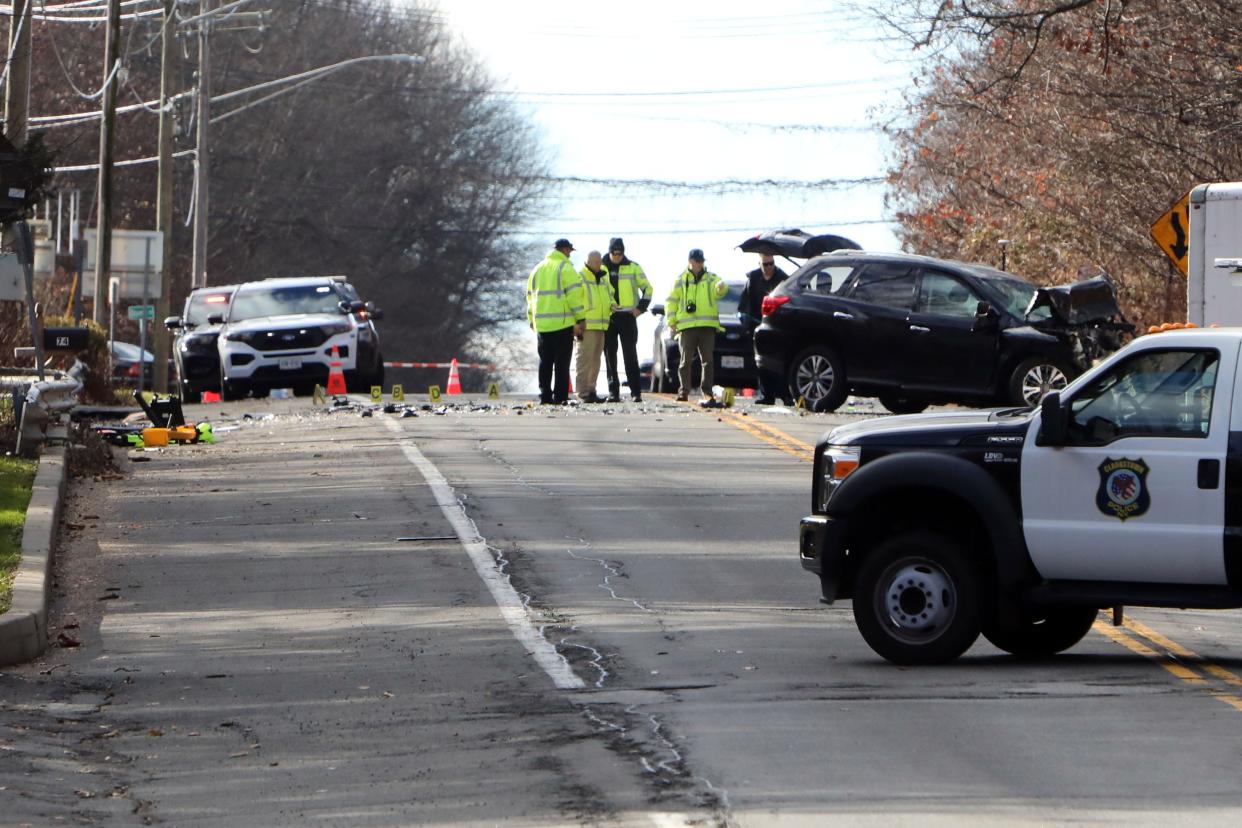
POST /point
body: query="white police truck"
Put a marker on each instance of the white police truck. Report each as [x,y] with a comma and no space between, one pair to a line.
[1123,489]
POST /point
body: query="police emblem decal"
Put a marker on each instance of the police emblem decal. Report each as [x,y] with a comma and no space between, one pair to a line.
[1123,488]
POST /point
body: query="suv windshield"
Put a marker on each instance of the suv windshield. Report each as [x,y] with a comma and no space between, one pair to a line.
[281,301]
[204,304]
[1015,296]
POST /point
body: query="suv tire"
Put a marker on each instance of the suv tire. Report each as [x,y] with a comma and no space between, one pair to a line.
[1032,379]
[817,375]
[898,404]
[230,391]
[1041,634]
[918,599]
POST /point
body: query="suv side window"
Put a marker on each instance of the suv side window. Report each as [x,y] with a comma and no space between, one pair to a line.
[945,295]
[885,283]
[1152,394]
[828,280]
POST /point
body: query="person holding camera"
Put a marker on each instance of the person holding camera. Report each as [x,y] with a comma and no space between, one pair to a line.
[693,315]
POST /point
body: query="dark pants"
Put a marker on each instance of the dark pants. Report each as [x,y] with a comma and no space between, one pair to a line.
[772,386]
[555,350]
[623,328]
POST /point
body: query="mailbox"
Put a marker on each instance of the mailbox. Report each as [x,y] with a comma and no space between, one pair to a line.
[65,339]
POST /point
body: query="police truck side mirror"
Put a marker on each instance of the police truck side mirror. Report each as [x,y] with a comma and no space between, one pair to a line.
[1053,421]
[376,313]
[215,319]
[173,323]
[657,310]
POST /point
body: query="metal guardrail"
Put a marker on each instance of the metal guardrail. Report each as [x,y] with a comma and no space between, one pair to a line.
[43,403]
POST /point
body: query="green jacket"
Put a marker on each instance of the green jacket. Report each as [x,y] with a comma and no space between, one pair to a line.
[598,298]
[554,294]
[704,293]
[633,289]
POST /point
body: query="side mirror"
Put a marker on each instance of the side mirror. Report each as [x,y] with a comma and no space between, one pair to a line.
[215,319]
[173,323]
[657,310]
[987,319]
[376,313]
[1053,421]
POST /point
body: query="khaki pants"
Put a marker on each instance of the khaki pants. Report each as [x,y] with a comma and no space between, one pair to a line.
[703,342]
[586,364]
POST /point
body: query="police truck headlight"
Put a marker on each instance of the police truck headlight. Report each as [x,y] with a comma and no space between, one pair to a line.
[836,464]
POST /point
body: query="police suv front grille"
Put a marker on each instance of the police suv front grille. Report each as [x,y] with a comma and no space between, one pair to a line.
[286,340]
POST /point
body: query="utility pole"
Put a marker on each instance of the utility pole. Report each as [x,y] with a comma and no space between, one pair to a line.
[202,157]
[164,195]
[17,92]
[107,141]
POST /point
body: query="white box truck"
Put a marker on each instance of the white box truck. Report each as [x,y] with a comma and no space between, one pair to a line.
[1214,268]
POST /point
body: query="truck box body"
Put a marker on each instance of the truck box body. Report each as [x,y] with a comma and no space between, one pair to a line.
[1214,293]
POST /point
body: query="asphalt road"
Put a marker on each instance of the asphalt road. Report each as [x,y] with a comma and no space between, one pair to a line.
[595,617]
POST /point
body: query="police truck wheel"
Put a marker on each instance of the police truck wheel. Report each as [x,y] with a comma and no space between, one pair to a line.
[817,375]
[1041,634]
[918,599]
[1033,378]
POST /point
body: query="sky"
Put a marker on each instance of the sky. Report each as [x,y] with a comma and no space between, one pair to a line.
[696,91]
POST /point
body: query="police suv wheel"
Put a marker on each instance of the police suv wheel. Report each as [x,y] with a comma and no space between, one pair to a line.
[817,376]
[918,599]
[1033,378]
[1041,634]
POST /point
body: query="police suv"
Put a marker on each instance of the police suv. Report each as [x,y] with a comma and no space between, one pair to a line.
[1124,488]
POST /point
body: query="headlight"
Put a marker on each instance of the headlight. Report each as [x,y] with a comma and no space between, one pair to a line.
[836,464]
[200,344]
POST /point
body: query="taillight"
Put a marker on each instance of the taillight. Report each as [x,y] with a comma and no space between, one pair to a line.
[771,303]
[131,371]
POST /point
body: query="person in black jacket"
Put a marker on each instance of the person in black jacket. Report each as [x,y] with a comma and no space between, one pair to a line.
[759,283]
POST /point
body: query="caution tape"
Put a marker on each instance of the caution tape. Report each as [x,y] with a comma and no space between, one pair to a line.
[481,365]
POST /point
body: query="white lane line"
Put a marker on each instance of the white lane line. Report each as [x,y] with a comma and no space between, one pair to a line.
[512,608]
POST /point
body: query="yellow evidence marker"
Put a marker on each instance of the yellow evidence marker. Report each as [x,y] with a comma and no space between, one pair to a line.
[434,392]
[493,391]
[728,397]
[398,393]
[377,393]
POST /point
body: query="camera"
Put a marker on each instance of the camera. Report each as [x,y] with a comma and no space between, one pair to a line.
[691,307]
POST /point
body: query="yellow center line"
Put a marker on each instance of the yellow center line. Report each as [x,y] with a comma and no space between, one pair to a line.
[1184,673]
[1214,670]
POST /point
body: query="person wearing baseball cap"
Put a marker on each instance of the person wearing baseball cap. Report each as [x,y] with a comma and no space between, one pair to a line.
[631,294]
[556,312]
[694,317]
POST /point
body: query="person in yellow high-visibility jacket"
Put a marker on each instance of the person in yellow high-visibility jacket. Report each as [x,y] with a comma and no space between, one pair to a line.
[694,316]
[557,314]
[599,311]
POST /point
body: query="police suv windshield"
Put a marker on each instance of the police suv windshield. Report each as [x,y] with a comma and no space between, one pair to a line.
[203,305]
[283,301]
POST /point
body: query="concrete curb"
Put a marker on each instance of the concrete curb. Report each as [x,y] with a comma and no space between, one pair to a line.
[23,629]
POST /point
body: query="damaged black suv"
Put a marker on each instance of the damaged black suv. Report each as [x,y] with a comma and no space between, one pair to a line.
[916,331]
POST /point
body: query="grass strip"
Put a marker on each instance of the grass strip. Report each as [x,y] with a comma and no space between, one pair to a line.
[16,478]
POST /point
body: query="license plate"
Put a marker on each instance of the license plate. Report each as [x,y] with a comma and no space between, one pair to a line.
[732,362]
[290,363]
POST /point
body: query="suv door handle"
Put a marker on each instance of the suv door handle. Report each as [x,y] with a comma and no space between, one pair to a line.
[1209,474]
[920,329]
[842,315]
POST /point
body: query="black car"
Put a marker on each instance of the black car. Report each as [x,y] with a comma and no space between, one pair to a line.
[914,331]
[194,350]
[733,358]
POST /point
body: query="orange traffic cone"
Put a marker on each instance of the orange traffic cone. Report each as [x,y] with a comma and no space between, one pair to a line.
[454,380]
[336,377]
[748,392]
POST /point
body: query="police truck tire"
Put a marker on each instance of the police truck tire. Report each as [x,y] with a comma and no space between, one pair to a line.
[1041,634]
[817,375]
[918,599]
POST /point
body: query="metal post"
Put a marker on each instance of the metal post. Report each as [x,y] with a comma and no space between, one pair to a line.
[203,155]
[24,245]
[164,194]
[17,92]
[79,262]
[142,321]
[107,130]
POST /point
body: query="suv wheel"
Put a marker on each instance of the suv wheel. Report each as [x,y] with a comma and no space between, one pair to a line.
[230,391]
[1033,378]
[902,405]
[1043,634]
[918,599]
[817,375]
